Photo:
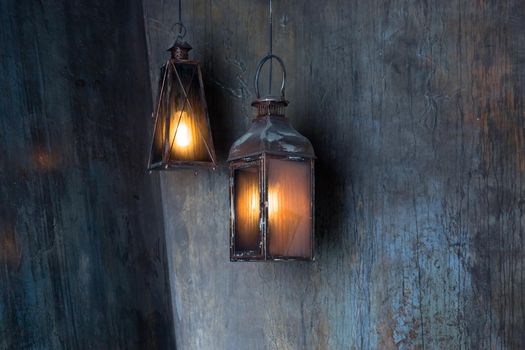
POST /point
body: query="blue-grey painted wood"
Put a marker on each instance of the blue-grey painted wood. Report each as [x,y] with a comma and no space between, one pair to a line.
[416,113]
[82,252]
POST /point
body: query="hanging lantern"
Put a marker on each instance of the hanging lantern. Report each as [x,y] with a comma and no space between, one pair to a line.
[271,185]
[182,135]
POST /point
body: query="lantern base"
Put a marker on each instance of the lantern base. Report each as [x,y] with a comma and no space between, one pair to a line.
[181,165]
[273,259]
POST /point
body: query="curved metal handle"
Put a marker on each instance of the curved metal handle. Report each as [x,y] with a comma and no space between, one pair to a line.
[182,30]
[258,72]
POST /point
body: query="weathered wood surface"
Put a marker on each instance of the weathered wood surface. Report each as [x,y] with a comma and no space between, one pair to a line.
[416,112]
[82,254]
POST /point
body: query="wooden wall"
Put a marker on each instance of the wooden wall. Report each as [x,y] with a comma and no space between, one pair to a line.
[416,113]
[82,254]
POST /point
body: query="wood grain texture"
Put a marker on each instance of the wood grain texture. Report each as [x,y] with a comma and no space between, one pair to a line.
[416,113]
[82,253]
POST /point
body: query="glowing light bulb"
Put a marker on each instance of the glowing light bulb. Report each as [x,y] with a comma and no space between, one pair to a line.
[180,131]
[183,137]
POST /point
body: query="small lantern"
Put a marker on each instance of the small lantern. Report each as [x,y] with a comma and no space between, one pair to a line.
[271,185]
[182,135]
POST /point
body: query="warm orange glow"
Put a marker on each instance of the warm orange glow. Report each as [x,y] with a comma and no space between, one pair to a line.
[247,209]
[44,160]
[183,137]
[185,141]
[289,208]
[273,201]
[253,205]
[180,135]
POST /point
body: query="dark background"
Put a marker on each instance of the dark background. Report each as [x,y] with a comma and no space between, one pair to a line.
[416,113]
[82,253]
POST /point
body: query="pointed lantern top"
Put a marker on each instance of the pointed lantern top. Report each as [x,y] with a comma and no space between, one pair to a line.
[179,50]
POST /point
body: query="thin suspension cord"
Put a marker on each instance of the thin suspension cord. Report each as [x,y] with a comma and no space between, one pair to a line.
[182,28]
[271,49]
[180,16]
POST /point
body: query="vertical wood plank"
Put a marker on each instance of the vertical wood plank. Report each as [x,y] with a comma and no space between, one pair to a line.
[82,253]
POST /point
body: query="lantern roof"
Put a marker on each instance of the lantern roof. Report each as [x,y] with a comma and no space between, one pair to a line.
[179,50]
[180,44]
[271,133]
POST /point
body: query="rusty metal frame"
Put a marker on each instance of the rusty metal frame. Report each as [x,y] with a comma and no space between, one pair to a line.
[166,163]
[258,163]
[270,136]
[261,162]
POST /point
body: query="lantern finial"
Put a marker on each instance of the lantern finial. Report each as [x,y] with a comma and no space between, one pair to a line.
[179,50]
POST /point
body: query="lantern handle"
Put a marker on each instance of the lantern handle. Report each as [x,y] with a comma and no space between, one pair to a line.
[182,27]
[258,72]
[182,30]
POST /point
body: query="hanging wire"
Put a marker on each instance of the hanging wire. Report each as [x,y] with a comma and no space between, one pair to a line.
[180,12]
[270,57]
[270,52]
[182,27]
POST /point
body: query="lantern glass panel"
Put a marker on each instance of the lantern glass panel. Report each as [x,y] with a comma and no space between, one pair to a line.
[181,131]
[289,208]
[247,206]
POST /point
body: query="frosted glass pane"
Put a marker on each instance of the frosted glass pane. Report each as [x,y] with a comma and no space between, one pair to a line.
[247,209]
[289,208]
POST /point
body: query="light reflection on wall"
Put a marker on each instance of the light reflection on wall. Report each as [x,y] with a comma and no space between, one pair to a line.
[10,254]
[43,160]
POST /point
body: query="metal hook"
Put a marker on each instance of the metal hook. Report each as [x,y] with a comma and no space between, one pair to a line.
[258,72]
[182,30]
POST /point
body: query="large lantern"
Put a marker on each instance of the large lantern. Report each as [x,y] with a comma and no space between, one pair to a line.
[182,135]
[271,185]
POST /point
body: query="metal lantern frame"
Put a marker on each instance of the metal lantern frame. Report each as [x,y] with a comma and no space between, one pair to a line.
[170,78]
[271,136]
